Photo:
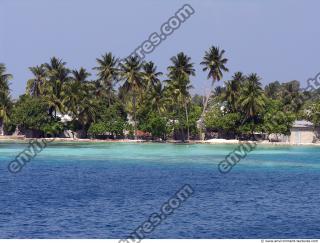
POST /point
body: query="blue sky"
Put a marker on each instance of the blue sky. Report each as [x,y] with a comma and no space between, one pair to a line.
[278,39]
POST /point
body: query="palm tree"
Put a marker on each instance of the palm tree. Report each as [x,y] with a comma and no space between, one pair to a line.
[252,100]
[5,102]
[36,85]
[4,78]
[132,77]
[151,82]
[87,112]
[58,75]
[5,109]
[157,98]
[108,73]
[179,78]
[232,90]
[86,109]
[215,63]
[79,99]
[273,90]
[151,75]
[80,76]
[73,92]
[291,96]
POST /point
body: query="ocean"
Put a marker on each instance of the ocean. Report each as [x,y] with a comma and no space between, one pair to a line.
[108,190]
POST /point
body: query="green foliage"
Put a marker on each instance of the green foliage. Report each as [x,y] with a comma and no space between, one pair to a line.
[198,100]
[31,113]
[218,121]
[232,91]
[110,120]
[273,90]
[164,108]
[248,110]
[314,113]
[52,128]
[230,122]
[5,100]
[178,87]
[98,128]
[275,120]
[247,129]
[156,125]
[289,94]
[106,128]
[194,115]
[252,99]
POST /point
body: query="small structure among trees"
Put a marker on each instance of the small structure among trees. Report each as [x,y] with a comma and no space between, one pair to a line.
[302,132]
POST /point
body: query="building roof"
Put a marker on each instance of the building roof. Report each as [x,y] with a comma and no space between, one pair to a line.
[302,123]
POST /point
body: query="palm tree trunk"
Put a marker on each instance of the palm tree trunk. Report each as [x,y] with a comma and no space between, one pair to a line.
[1,128]
[205,108]
[207,98]
[252,133]
[180,123]
[109,99]
[134,115]
[181,129]
[187,118]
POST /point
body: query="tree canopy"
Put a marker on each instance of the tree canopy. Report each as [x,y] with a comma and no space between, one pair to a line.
[134,97]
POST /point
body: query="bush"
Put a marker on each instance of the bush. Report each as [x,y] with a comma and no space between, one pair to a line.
[156,125]
[113,128]
[31,113]
[97,129]
[52,128]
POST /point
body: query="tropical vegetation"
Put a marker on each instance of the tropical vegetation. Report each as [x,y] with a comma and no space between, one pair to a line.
[134,99]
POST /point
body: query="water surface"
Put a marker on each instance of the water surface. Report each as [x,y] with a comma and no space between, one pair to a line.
[106,190]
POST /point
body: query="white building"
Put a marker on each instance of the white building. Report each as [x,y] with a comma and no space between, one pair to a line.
[302,132]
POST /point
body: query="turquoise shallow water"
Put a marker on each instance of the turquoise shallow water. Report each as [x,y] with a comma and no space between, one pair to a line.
[106,190]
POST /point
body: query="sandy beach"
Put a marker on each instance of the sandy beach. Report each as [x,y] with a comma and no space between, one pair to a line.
[19,139]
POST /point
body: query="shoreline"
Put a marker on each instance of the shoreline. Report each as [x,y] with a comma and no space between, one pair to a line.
[208,142]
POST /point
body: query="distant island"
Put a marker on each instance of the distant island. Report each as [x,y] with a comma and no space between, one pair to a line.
[133,100]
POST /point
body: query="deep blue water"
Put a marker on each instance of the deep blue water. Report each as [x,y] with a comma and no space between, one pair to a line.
[108,190]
